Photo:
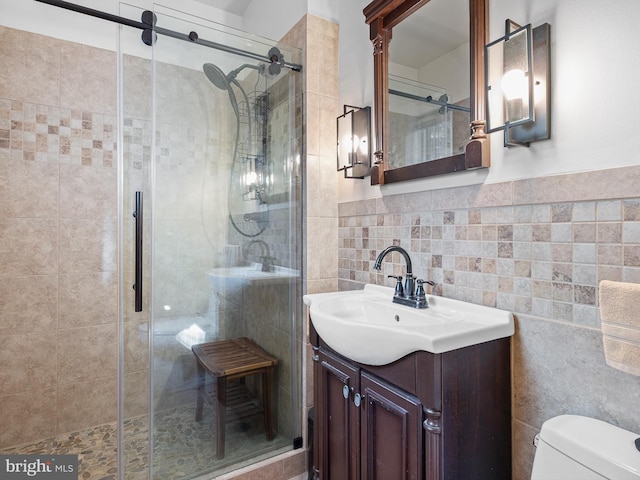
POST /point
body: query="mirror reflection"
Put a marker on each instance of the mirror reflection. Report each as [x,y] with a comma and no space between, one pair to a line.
[429,84]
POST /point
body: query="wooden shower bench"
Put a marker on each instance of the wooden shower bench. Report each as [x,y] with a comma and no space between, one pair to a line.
[229,359]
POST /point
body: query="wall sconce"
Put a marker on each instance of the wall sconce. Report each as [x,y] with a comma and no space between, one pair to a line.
[517,73]
[354,145]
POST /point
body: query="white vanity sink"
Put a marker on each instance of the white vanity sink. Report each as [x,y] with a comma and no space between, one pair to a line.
[365,326]
[251,274]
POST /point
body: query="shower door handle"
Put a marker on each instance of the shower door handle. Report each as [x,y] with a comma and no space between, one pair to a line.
[137,286]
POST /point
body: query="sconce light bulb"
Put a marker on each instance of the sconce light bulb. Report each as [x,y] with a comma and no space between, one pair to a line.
[251,178]
[514,84]
[355,143]
[347,144]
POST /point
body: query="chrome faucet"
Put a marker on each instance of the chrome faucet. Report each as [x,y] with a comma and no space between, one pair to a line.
[407,294]
[267,259]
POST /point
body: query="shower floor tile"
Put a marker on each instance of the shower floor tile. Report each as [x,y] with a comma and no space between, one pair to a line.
[183,448]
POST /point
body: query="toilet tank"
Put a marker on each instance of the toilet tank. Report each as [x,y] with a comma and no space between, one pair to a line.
[574,447]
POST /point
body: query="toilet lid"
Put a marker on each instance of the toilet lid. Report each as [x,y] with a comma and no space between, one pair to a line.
[604,448]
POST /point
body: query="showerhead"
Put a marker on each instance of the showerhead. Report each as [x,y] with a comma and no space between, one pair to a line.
[216,76]
[222,81]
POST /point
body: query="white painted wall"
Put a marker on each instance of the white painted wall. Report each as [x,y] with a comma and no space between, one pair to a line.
[274,18]
[594,100]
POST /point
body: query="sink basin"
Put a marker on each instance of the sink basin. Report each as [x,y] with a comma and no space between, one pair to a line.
[365,326]
[251,274]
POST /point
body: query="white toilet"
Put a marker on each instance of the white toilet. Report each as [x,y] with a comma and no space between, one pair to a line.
[571,447]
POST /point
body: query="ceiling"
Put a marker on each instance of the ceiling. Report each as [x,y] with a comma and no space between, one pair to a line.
[434,30]
[237,7]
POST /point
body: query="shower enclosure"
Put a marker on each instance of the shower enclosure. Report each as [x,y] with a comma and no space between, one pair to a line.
[100,309]
[212,141]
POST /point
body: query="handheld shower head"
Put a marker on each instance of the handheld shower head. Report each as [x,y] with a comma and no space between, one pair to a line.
[222,81]
[216,76]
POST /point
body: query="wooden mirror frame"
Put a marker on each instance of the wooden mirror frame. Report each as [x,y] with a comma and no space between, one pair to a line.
[382,16]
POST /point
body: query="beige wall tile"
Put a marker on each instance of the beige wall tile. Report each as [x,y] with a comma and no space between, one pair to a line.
[87,300]
[295,464]
[312,123]
[322,194]
[136,394]
[631,210]
[347,209]
[137,94]
[88,403]
[87,353]
[28,304]
[296,37]
[322,285]
[87,78]
[327,48]
[28,246]
[323,26]
[328,129]
[313,67]
[403,203]
[136,347]
[322,247]
[28,189]
[272,471]
[29,67]
[491,195]
[523,450]
[558,369]
[87,245]
[27,363]
[36,411]
[87,192]
[601,184]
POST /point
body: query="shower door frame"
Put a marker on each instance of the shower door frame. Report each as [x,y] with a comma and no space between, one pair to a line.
[295,207]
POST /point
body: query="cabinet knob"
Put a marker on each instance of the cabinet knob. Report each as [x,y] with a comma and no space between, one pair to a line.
[346,391]
[358,399]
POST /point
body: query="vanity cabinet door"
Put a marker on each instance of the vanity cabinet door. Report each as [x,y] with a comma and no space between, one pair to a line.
[391,432]
[336,418]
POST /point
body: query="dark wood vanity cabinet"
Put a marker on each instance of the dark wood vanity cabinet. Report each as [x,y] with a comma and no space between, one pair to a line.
[426,416]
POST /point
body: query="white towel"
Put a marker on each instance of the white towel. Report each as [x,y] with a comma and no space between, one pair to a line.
[620,322]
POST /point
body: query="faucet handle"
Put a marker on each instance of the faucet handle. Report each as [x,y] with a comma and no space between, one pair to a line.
[420,289]
[267,263]
[399,289]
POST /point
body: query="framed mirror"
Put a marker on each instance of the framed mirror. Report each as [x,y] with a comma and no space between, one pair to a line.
[429,87]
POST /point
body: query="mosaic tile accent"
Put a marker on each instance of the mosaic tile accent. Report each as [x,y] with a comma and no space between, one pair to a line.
[52,134]
[544,260]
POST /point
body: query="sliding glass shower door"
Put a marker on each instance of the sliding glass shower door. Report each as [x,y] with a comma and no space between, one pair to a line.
[211,141]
